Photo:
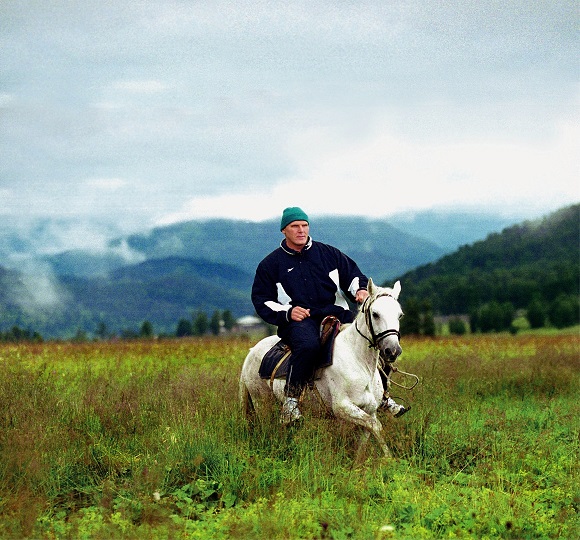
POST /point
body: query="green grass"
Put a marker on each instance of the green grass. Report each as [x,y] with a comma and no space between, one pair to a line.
[144,440]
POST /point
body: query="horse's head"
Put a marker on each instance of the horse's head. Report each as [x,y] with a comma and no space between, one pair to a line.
[382,312]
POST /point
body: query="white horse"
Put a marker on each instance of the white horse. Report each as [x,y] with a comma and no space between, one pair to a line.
[351,387]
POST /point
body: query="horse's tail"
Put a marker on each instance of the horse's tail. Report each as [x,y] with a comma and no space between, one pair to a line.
[246,405]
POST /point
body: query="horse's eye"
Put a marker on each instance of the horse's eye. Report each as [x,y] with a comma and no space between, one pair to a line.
[401,315]
[376,315]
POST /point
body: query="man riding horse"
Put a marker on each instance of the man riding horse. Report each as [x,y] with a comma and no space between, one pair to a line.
[295,287]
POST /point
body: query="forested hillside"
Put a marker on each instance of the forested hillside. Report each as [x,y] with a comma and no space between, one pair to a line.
[531,265]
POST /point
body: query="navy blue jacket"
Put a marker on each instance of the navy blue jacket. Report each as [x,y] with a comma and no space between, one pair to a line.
[319,278]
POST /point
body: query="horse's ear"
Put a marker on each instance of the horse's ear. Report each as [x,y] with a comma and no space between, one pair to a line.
[371,287]
[396,290]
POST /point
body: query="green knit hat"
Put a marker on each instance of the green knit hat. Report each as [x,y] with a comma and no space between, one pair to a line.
[292,214]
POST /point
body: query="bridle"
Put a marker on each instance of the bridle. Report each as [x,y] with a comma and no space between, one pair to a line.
[375,338]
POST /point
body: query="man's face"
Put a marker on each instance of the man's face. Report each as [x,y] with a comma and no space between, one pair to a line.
[296,234]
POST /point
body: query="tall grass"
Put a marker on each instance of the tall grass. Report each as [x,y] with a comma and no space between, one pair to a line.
[145,440]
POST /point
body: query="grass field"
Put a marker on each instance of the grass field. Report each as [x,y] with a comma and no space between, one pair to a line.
[144,440]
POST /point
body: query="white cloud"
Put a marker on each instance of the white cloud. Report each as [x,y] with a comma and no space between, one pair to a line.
[123,249]
[384,174]
[40,289]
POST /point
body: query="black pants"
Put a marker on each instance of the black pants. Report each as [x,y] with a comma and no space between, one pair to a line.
[304,339]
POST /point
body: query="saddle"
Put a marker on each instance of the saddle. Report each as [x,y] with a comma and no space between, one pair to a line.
[275,362]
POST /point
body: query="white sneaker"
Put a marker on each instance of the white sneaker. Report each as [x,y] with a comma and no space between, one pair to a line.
[393,407]
[290,411]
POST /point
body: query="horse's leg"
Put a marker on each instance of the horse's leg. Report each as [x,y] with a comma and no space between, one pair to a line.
[347,410]
[362,443]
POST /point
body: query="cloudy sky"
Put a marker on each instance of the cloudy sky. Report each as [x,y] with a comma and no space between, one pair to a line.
[140,113]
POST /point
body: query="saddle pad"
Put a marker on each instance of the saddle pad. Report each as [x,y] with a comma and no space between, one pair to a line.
[272,359]
[276,355]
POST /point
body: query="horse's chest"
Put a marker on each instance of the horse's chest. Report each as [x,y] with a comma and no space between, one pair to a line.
[356,389]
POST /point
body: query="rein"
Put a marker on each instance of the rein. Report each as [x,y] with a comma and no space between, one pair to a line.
[395,369]
[375,338]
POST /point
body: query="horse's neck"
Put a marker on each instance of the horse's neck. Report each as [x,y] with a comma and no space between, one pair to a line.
[363,353]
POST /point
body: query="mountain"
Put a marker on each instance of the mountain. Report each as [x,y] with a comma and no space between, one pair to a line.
[194,266]
[381,250]
[536,259]
[169,273]
[382,247]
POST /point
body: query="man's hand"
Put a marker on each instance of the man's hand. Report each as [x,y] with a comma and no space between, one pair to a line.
[299,313]
[361,295]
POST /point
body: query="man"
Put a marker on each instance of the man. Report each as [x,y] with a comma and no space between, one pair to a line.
[295,287]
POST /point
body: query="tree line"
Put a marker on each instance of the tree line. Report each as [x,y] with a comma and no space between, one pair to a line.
[419,319]
[494,316]
[199,324]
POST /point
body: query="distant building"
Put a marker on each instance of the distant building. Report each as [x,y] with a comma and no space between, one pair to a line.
[250,324]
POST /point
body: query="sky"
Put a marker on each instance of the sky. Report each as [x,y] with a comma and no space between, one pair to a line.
[135,114]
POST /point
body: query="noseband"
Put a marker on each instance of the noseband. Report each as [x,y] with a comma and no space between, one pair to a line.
[375,338]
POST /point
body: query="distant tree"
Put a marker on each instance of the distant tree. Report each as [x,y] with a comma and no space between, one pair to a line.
[80,336]
[427,319]
[457,326]
[564,311]
[494,317]
[536,313]
[474,320]
[17,335]
[229,320]
[508,313]
[129,333]
[411,322]
[490,317]
[215,323]
[200,324]
[101,332]
[524,261]
[184,328]
[146,330]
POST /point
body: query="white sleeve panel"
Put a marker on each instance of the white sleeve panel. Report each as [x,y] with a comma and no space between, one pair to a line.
[283,303]
[354,286]
[340,300]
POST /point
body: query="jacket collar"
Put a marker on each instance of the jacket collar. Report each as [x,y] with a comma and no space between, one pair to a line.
[290,251]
